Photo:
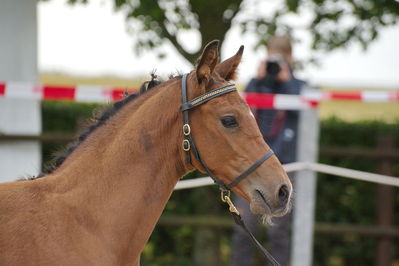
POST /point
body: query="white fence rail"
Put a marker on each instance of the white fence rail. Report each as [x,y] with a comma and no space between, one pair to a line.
[299,166]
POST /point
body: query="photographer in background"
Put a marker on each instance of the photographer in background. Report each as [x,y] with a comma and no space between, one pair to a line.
[279,129]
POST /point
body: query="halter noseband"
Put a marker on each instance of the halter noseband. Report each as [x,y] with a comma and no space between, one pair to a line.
[188,142]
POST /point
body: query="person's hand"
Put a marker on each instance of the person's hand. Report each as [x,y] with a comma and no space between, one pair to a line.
[261,70]
[285,74]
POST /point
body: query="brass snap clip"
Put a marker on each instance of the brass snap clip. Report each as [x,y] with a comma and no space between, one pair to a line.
[225,195]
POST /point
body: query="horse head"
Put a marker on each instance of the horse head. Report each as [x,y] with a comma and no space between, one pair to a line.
[228,139]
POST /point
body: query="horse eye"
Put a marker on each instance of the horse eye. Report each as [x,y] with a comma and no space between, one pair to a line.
[229,121]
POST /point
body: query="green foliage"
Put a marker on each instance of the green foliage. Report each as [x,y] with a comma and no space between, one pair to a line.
[339,200]
[154,22]
[346,201]
[332,23]
[66,117]
[63,118]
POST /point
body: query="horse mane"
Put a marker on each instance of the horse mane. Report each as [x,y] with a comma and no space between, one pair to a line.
[100,120]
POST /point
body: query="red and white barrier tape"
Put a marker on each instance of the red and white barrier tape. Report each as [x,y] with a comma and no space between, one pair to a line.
[310,98]
[72,93]
[307,100]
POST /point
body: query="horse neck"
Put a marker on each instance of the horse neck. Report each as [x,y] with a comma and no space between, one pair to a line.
[122,176]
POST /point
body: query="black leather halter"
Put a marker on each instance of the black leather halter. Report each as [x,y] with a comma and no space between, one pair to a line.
[188,145]
[188,142]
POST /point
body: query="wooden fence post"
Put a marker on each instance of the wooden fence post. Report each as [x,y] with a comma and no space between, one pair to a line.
[385,204]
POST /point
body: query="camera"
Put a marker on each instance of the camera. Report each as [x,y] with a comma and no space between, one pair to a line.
[273,64]
[273,67]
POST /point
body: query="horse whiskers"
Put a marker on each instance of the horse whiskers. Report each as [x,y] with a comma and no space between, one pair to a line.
[267,220]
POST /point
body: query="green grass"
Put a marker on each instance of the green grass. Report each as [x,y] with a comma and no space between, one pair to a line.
[65,79]
[357,111]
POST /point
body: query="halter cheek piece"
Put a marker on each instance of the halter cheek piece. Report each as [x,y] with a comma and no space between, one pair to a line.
[188,145]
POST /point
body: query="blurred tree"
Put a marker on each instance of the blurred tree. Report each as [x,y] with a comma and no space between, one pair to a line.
[331,23]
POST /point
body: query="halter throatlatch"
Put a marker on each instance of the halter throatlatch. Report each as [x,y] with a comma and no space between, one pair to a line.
[188,146]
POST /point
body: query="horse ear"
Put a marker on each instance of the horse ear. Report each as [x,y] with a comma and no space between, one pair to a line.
[207,61]
[228,68]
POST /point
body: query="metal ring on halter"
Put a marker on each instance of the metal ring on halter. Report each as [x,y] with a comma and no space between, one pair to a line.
[186,145]
[186,129]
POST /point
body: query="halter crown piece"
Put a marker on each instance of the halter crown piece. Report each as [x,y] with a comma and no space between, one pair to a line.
[188,145]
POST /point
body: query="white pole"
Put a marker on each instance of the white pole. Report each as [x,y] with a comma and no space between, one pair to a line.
[305,189]
[18,62]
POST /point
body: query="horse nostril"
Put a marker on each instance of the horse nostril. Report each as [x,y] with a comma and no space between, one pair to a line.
[283,194]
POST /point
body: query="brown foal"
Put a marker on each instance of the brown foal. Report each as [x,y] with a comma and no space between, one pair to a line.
[101,205]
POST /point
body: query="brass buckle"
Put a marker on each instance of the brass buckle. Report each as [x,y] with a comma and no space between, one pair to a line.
[186,129]
[225,195]
[186,145]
